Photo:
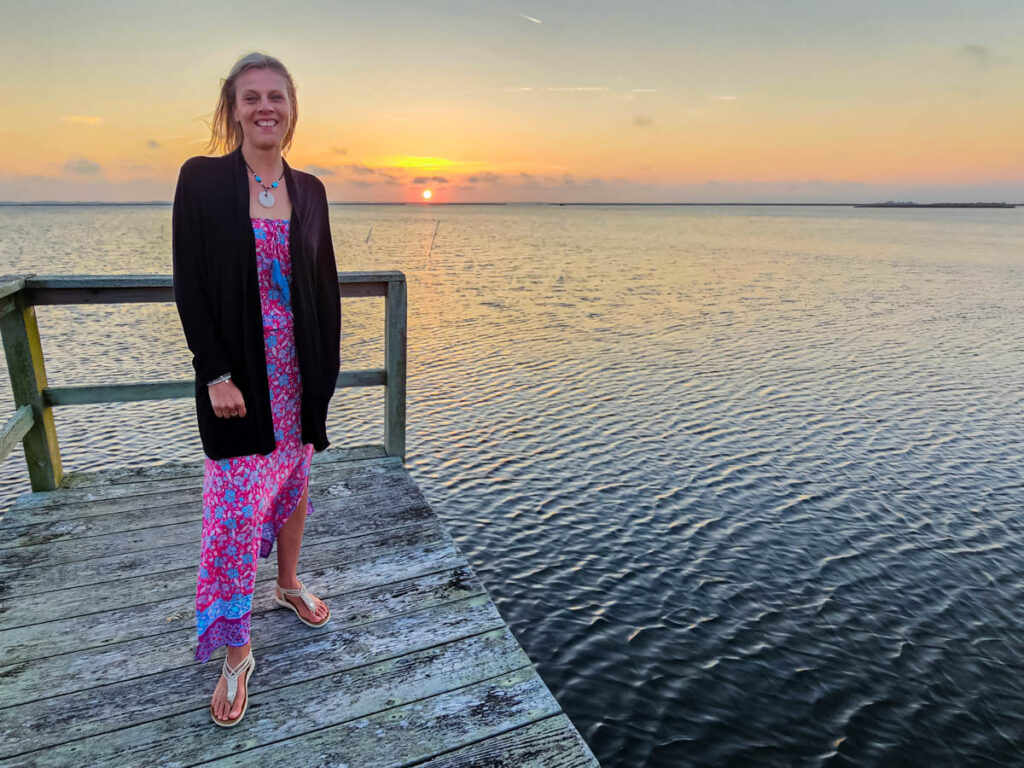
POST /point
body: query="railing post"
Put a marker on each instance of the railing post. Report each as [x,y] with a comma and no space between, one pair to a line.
[395,306]
[24,353]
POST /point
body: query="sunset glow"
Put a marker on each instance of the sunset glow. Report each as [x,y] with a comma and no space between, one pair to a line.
[426,194]
[600,102]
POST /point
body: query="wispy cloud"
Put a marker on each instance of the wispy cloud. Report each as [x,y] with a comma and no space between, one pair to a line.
[487,177]
[978,54]
[557,89]
[318,170]
[82,166]
[725,98]
[339,151]
[530,18]
[642,121]
[644,90]
[154,144]
[576,88]
[429,179]
[81,119]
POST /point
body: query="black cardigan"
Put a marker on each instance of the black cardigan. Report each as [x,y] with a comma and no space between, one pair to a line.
[216,288]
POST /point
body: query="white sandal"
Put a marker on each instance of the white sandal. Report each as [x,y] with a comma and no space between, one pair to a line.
[245,667]
[306,597]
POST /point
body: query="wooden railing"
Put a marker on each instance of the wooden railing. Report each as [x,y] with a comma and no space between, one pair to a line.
[34,399]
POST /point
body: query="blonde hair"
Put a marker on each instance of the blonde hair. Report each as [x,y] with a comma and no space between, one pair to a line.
[226,132]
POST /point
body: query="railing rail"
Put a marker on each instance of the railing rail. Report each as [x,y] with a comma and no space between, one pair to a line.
[34,399]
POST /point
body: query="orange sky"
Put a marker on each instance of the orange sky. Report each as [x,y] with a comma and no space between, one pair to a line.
[594,100]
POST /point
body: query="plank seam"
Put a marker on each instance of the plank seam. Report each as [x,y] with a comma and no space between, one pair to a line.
[333,540]
[559,713]
[82,691]
[399,706]
[381,660]
[170,628]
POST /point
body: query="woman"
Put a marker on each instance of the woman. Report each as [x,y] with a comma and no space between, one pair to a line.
[256,287]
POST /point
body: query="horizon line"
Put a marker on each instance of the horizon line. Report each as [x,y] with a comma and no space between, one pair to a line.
[15,203]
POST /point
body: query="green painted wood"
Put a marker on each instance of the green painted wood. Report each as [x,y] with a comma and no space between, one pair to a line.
[395,339]
[15,429]
[24,354]
[552,742]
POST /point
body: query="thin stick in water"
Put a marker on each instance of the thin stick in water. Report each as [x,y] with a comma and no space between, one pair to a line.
[367,241]
[433,238]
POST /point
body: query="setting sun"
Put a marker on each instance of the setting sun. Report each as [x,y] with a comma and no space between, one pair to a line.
[427,194]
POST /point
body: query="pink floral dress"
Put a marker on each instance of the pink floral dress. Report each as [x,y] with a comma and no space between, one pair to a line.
[248,499]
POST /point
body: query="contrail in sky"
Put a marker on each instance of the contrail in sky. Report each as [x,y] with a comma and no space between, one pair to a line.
[529,18]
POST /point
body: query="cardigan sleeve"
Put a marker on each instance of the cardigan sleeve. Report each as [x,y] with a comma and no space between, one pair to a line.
[190,295]
[328,280]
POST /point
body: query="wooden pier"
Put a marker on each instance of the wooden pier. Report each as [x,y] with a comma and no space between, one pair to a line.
[97,583]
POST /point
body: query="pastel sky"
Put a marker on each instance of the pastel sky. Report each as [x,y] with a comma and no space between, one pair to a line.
[574,100]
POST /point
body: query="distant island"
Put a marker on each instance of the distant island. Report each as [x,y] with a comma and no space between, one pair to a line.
[909,204]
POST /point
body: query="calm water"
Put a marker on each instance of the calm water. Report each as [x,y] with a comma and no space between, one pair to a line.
[745,482]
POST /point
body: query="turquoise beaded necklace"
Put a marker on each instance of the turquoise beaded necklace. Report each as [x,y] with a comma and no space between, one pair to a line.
[266,197]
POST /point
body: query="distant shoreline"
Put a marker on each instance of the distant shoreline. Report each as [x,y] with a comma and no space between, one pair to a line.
[62,204]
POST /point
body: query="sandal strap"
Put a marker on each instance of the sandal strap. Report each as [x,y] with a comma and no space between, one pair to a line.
[232,675]
[302,593]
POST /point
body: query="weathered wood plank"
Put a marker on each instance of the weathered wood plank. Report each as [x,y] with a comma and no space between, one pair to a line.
[549,743]
[125,703]
[16,428]
[11,285]
[415,731]
[94,586]
[186,507]
[88,548]
[118,484]
[119,289]
[279,713]
[399,571]
[83,669]
[109,477]
[175,390]
[84,503]
[119,393]
[395,333]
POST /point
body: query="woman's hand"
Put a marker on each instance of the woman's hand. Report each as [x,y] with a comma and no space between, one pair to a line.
[227,400]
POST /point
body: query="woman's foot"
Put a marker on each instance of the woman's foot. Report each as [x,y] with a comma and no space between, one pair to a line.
[320,612]
[220,707]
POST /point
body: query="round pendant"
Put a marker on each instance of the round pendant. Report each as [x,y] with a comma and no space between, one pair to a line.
[266,199]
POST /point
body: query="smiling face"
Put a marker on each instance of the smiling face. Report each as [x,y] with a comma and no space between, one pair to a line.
[262,107]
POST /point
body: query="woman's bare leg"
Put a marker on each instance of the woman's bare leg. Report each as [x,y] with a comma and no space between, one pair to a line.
[289,542]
